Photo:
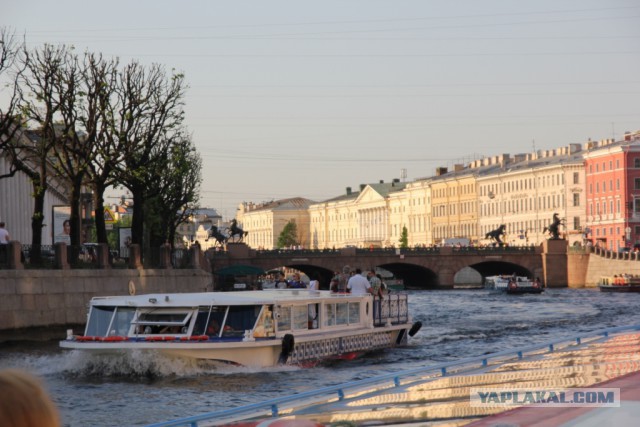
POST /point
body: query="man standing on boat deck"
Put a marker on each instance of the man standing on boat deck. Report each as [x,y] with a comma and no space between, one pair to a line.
[375,282]
[339,282]
[281,283]
[358,284]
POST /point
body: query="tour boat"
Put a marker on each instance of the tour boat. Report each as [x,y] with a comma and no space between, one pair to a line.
[619,283]
[513,284]
[252,328]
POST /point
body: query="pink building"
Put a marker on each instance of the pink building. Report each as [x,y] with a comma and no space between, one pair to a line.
[612,170]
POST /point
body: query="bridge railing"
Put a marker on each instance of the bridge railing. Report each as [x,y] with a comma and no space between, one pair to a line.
[494,249]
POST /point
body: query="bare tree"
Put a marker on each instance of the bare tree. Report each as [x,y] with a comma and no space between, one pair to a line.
[10,123]
[149,117]
[100,76]
[38,104]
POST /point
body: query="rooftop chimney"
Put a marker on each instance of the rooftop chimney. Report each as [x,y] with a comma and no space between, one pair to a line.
[441,171]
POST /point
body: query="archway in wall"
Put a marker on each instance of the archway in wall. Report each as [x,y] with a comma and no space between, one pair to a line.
[493,268]
[467,277]
[413,276]
[321,274]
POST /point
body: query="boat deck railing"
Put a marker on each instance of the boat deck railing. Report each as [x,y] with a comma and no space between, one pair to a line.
[281,405]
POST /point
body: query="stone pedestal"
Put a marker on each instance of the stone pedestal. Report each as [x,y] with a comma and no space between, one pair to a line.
[102,255]
[14,255]
[134,256]
[194,253]
[239,250]
[61,259]
[554,263]
[165,256]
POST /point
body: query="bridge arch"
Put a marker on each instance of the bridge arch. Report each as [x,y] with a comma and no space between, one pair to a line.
[414,276]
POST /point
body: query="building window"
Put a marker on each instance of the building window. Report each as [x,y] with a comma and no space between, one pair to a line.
[636,183]
[576,223]
[576,178]
[576,199]
[636,162]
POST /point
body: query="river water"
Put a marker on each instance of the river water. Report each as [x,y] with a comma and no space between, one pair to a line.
[456,324]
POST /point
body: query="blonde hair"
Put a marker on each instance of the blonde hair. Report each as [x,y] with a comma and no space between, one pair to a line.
[24,402]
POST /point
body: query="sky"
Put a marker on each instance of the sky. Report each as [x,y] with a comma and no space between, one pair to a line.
[305,98]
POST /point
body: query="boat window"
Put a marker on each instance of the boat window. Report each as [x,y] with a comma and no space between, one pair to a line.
[239,319]
[329,315]
[300,317]
[354,312]
[99,321]
[122,321]
[264,327]
[162,321]
[208,321]
[342,313]
[284,318]
[313,316]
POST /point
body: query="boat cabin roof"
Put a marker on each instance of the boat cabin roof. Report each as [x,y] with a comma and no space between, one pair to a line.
[169,300]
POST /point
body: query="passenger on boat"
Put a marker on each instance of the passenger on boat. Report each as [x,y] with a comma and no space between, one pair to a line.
[296,283]
[358,284]
[340,281]
[375,282]
[281,283]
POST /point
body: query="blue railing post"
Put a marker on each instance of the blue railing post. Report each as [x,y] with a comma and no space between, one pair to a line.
[396,381]
[340,394]
[578,341]
[274,410]
[443,371]
[550,347]
[519,355]
[484,362]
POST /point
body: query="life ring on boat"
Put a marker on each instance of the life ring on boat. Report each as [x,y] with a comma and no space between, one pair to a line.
[288,342]
[132,288]
[415,328]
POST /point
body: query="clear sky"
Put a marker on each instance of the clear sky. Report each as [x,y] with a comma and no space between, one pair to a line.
[304,98]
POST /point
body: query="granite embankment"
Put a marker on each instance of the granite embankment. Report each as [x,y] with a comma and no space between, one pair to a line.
[40,304]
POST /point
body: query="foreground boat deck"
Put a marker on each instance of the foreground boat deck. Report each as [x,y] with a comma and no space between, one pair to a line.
[438,395]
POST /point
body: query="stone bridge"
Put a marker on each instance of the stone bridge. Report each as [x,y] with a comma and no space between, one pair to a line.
[420,268]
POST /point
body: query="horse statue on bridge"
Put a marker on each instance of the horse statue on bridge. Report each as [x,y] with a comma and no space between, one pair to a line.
[495,234]
[554,228]
[234,231]
[221,238]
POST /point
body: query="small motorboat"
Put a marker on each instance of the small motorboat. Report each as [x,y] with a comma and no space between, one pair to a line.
[619,283]
[513,284]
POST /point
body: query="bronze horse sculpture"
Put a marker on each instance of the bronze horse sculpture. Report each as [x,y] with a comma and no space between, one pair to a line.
[554,227]
[220,237]
[234,231]
[495,234]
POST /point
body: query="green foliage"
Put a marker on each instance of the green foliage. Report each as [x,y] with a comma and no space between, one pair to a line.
[404,238]
[289,235]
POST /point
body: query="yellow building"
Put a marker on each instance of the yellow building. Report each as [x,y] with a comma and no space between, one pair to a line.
[454,204]
[264,222]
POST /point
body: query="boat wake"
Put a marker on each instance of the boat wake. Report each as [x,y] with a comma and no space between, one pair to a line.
[136,364]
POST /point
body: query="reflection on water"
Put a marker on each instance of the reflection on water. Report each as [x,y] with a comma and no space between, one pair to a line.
[456,324]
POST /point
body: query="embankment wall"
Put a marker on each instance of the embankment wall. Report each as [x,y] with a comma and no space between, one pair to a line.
[57,298]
